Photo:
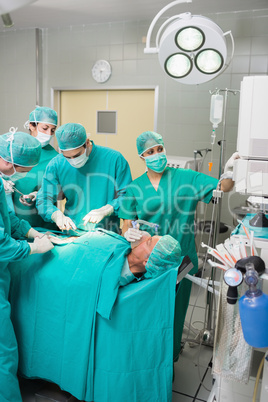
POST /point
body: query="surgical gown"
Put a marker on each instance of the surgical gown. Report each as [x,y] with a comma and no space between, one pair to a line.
[102,180]
[172,206]
[10,250]
[32,182]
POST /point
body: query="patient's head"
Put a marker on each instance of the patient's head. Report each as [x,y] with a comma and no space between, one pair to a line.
[154,255]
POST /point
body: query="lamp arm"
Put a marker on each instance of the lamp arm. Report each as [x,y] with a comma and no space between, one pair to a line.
[167,22]
[148,48]
[232,54]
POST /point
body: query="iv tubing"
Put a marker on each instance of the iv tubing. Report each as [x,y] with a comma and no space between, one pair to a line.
[203,284]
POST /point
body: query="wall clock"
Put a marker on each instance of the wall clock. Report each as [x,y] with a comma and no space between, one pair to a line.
[101,71]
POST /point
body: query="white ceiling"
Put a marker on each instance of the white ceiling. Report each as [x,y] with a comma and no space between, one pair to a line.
[59,13]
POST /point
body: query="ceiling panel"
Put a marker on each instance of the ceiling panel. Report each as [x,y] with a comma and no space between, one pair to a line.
[60,13]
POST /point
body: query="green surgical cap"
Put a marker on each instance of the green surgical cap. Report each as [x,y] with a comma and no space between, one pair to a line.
[71,136]
[20,149]
[147,140]
[166,254]
[42,114]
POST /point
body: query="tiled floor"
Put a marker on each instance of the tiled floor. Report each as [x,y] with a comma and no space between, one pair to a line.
[192,373]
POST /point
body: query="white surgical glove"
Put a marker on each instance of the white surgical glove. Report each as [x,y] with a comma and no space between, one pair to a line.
[41,245]
[32,234]
[62,221]
[8,186]
[31,195]
[133,235]
[96,215]
[230,163]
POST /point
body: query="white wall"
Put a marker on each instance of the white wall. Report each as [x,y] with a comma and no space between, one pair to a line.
[17,78]
[69,53]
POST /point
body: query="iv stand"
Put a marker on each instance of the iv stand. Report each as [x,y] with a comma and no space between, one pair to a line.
[216,231]
[222,144]
[207,334]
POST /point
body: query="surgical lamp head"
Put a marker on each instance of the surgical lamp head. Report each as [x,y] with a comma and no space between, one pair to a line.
[71,136]
[192,49]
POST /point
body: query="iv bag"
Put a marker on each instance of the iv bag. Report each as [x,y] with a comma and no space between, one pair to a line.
[216,108]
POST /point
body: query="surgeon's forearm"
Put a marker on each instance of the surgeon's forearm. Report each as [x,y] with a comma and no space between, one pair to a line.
[126,225]
[19,227]
[45,209]
[116,202]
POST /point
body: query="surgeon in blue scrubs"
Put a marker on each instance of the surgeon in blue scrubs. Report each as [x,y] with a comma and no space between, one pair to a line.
[93,179]
[19,152]
[42,125]
[168,197]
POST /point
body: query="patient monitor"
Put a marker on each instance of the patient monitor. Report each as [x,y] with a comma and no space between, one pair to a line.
[251,171]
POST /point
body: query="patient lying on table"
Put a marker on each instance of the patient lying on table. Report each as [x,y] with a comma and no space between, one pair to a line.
[166,253]
[150,257]
[66,301]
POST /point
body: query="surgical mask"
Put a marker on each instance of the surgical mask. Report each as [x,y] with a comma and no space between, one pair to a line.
[15,176]
[43,138]
[156,162]
[79,161]
[18,175]
[4,176]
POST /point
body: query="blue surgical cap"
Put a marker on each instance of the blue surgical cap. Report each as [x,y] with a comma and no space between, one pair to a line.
[42,114]
[20,149]
[166,254]
[147,140]
[71,136]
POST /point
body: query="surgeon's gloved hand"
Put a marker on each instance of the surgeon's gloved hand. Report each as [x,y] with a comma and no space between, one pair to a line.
[96,215]
[62,221]
[8,186]
[41,245]
[132,235]
[230,163]
[28,199]
[32,234]
[32,196]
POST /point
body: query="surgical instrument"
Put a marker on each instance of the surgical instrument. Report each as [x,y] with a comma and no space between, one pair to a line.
[155,226]
[24,197]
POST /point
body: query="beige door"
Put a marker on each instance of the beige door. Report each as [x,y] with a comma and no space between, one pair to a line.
[135,114]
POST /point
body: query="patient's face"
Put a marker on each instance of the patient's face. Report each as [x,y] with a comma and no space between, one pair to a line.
[136,243]
[144,249]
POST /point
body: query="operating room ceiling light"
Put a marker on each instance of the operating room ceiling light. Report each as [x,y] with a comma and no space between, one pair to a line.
[191,49]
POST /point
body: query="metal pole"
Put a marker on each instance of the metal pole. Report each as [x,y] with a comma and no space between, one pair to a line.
[216,228]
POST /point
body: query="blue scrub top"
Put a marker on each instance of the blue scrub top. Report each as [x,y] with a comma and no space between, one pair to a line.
[172,206]
[102,180]
[32,182]
[11,228]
